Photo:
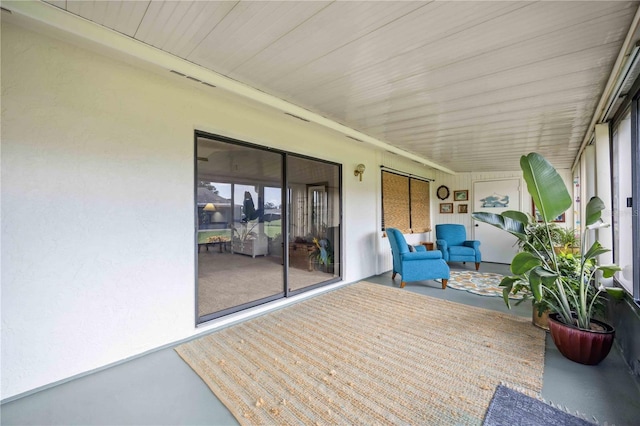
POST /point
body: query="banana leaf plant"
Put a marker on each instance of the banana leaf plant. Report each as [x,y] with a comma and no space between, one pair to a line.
[572,296]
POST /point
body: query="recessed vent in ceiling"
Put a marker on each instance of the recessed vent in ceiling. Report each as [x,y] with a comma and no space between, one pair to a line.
[295,116]
[191,78]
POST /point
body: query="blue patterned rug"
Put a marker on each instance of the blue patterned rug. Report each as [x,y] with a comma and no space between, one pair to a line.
[482,283]
[509,407]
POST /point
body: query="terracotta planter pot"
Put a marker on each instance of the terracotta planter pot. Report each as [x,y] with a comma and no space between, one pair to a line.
[583,346]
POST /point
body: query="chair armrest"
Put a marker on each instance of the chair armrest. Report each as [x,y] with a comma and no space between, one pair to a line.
[419,248]
[442,245]
[422,255]
[472,243]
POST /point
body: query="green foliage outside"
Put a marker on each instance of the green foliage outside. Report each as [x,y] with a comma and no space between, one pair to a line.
[273,228]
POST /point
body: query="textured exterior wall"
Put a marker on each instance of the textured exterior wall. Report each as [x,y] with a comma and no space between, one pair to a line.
[97,203]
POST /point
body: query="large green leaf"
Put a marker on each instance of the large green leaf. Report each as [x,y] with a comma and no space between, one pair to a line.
[516,215]
[616,292]
[535,284]
[595,250]
[593,210]
[514,227]
[545,185]
[507,283]
[609,270]
[523,262]
[538,276]
[548,277]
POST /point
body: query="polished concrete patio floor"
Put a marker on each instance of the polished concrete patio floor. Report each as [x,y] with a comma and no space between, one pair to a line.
[160,389]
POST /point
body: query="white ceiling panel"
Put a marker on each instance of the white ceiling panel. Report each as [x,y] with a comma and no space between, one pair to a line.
[412,73]
[437,46]
[544,73]
[419,30]
[197,23]
[248,30]
[161,21]
[335,26]
[121,16]
[62,4]
[468,85]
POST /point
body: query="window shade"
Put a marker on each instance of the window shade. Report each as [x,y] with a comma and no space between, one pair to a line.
[420,206]
[405,203]
[395,202]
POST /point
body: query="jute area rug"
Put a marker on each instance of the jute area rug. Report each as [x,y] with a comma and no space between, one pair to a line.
[368,354]
[482,283]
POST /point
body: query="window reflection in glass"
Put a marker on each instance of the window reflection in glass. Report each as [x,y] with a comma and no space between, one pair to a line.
[314,222]
[242,240]
[235,239]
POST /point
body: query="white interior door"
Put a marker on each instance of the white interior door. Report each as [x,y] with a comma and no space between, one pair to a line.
[495,196]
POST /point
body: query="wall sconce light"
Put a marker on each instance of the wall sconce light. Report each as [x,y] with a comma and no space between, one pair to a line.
[359,171]
[209,207]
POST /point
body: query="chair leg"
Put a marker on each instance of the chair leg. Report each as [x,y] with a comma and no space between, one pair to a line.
[393,276]
[477,266]
[402,284]
[444,283]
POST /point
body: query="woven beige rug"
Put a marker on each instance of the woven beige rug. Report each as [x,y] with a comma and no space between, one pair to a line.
[367,354]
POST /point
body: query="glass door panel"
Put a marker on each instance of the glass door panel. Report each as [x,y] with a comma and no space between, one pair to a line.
[314,222]
[236,227]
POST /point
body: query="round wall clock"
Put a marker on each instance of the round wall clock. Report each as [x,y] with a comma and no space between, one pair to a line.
[442,192]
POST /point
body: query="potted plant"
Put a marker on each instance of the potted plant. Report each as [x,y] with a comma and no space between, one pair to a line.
[568,241]
[537,239]
[247,241]
[322,255]
[564,242]
[564,283]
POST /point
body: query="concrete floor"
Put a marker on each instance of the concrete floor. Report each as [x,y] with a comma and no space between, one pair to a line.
[160,389]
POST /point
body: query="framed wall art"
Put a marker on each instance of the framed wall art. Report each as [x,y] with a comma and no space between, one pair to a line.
[463,208]
[446,207]
[442,192]
[461,195]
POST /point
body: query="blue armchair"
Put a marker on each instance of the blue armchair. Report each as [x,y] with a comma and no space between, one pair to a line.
[416,265]
[452,241]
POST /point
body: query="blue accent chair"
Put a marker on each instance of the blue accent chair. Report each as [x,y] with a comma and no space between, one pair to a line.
[452,241]
[416,265]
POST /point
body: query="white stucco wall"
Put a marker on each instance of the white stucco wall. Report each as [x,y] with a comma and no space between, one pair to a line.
[97,203]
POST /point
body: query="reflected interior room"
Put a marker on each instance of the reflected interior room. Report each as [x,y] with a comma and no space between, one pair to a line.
[243,225]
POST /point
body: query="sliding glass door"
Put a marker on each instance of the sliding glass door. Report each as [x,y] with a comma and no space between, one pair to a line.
[234,236]
[248,228]
[314,222]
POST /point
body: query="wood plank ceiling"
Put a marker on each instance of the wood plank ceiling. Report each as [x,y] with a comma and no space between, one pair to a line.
[468,85]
